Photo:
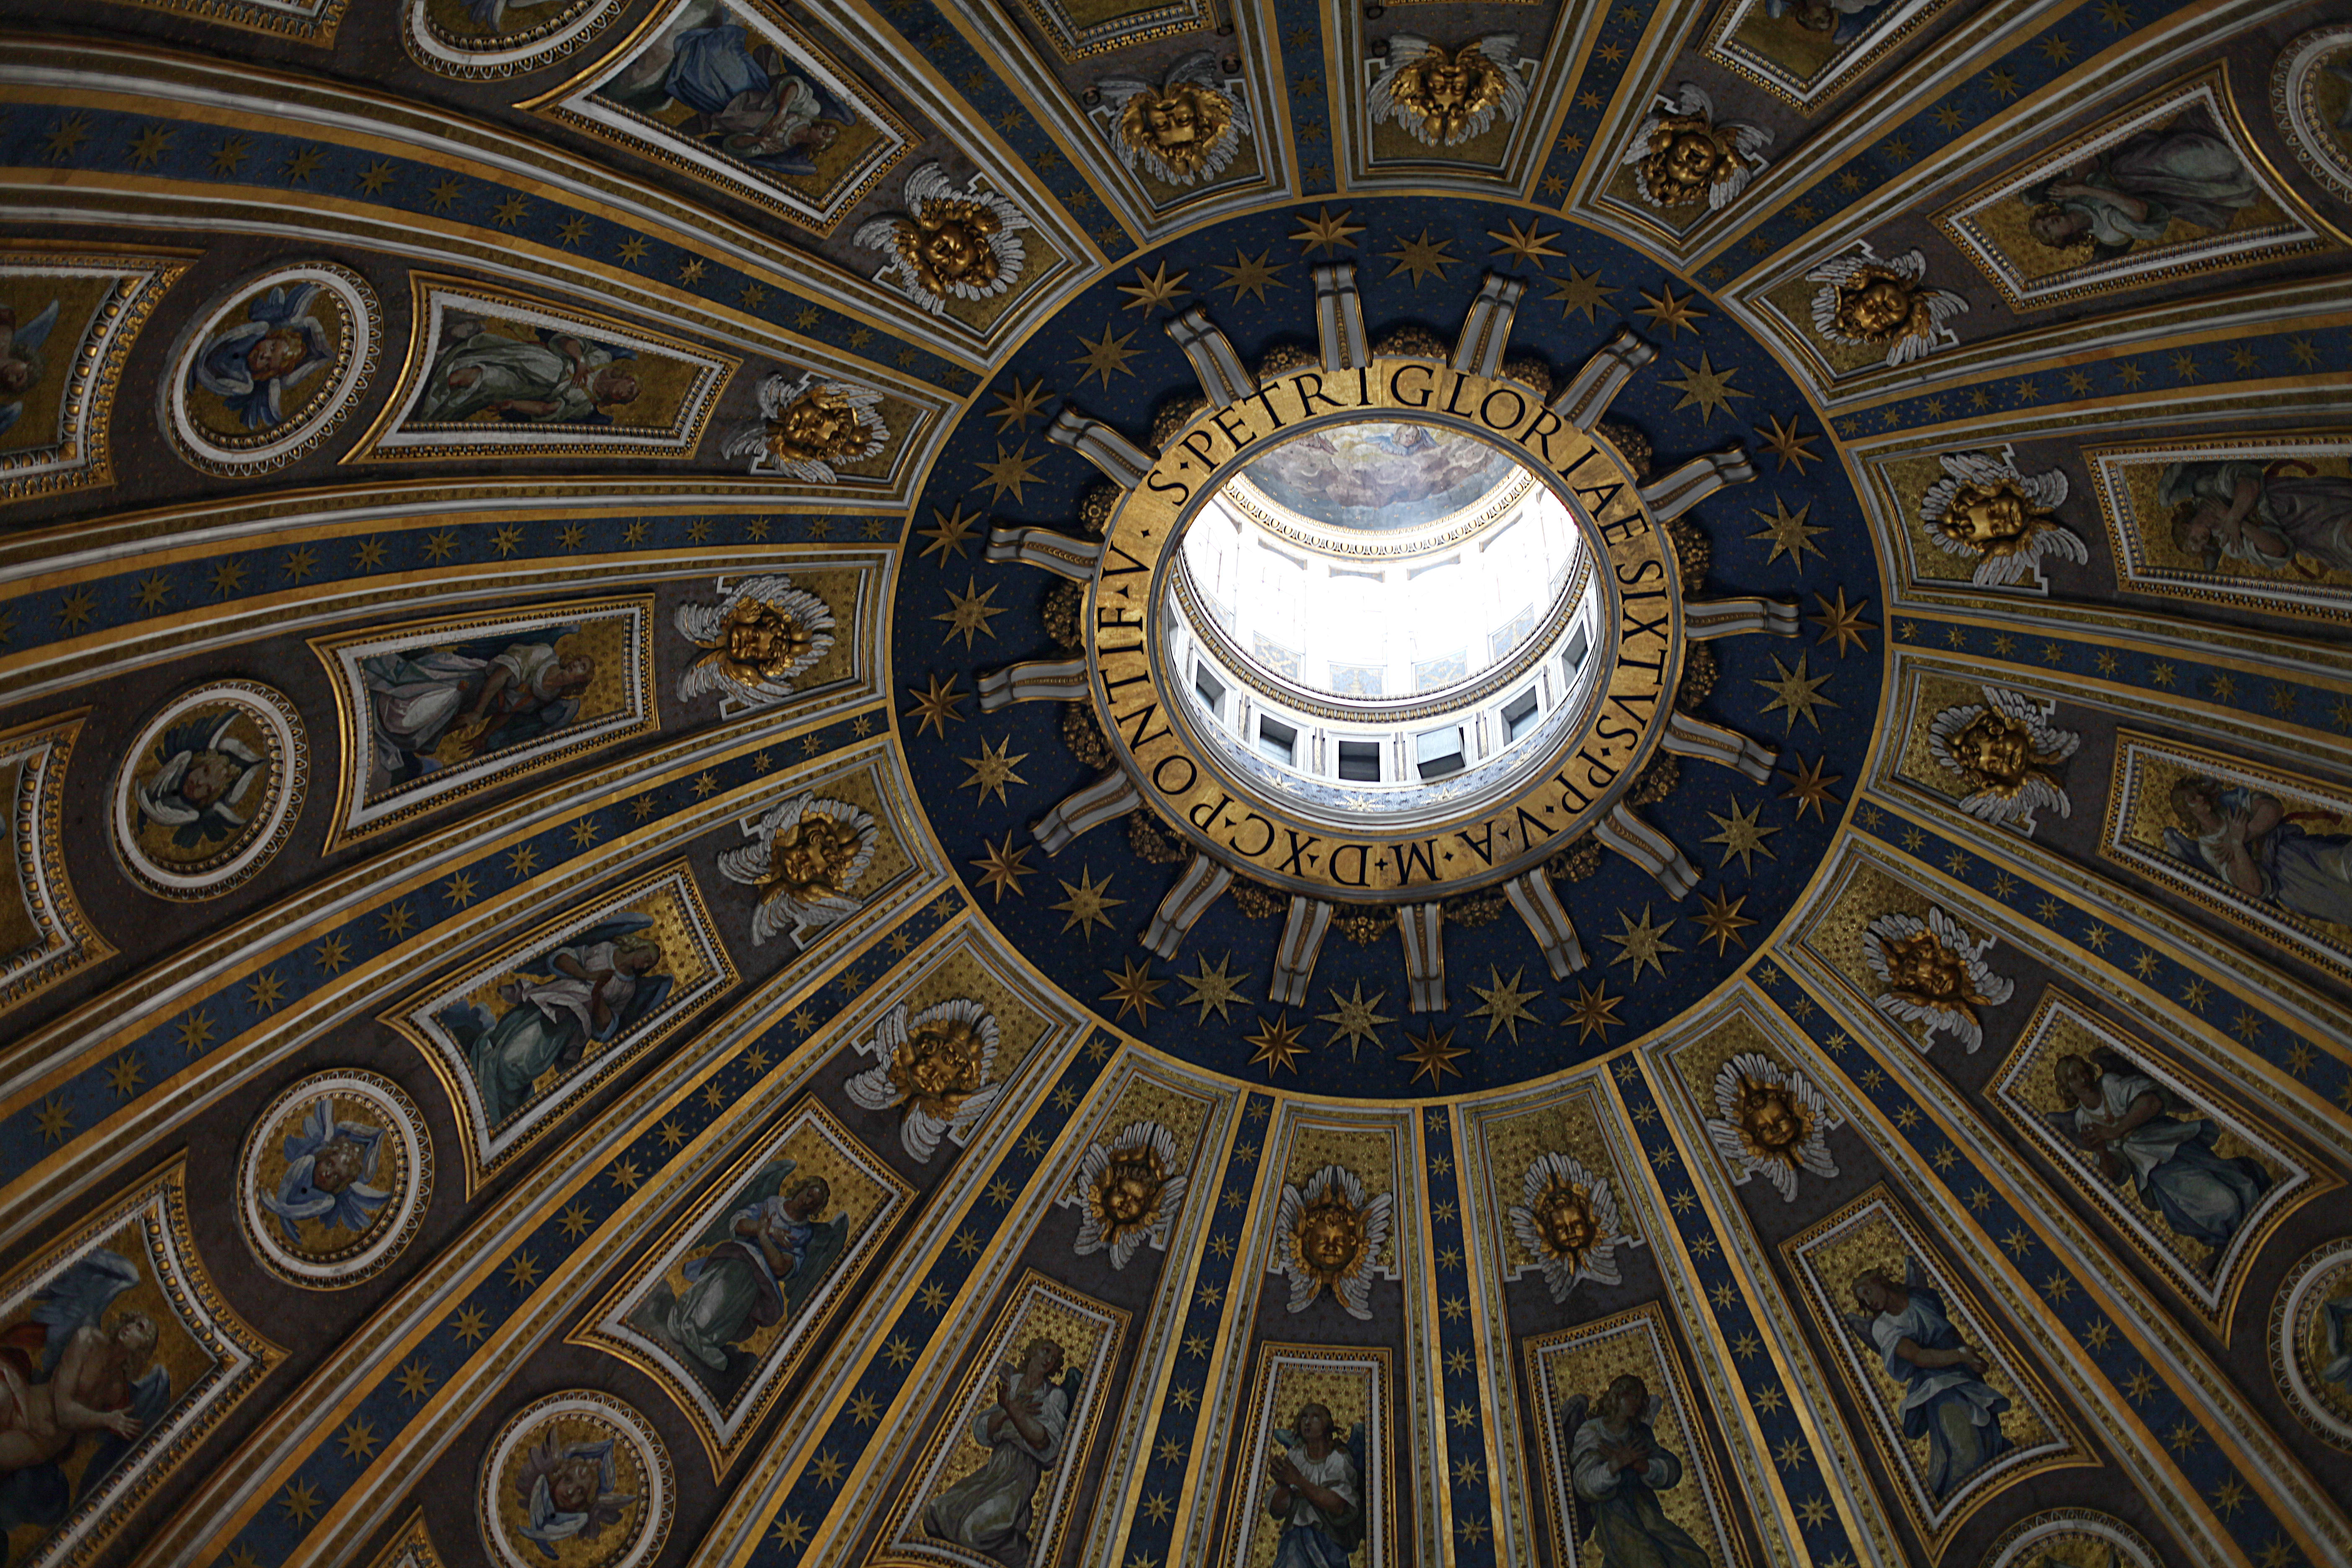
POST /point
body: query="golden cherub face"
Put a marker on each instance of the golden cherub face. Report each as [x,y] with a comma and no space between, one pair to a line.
[758,636]
[820,425]
[1878,308]
[1923,967]
[940,1062]
[1330,1238]
[1770,1120]
[1686,159]
[1987,515]
[1449,91]
[1563,1216]
[1128,1193]
[809,857]
[947,243]
[1997,749]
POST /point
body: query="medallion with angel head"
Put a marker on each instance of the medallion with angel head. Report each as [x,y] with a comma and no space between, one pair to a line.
[1934,974]
[1186,128]
[1681,154]
[1331,1234]
[1445,97]
[761,635]
[1872,303]
[1567,1218]
[809,855]
[2005,747]
[808,423]
[948,243]
[1770,1122]
[1129,1191]
[1985,509]
[937,1067]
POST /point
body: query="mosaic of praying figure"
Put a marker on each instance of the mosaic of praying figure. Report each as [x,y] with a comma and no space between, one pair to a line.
[596,986]
[548,378]
[253,365]
[1618,1469]
[2252,842]
[743,96]
[2281,516]
[2127,1121]
[1945,1397]
[990,1511]
[1317,1494]
[71,1372]
[435,706]
[758,1263]
[2130,193]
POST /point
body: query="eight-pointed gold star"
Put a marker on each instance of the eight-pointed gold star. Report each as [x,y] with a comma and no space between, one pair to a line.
[1422,257]
[1790,535]
[1675,314]
[1107,358]
[1799,691]
[1133,987]
[1277,1045]
[1324,231]
[1585,291]
[1719,921]
[1843,623]
[1251,276]
[1215,988]
[1014,407]
[1003,866]
[1792,447]
[1355,1019]
[1642,943]
[968,613]
[1705,388]
[1594,1011]
[1010,471]
[1742,837]
[992,769]
[949,533]
[936,708]
[1810,786]
[1153,288]
[1089,903]
[1530,245]
[1503,1004]
[1434,1053]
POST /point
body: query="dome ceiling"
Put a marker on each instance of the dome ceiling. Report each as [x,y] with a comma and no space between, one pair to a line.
[624,949]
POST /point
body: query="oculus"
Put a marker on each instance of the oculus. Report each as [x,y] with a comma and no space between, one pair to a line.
[210,790]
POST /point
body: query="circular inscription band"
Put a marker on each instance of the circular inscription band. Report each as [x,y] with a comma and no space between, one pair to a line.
[1505,827]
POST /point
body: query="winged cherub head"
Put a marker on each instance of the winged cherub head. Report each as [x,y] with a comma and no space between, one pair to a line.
[2004,748]
[1933,973]
[944,1059]
[1334,1232]
[1682,155]
[945,242]
[820,425]
[808,859]
[1180,121]
[1567,1221]
[1984,507]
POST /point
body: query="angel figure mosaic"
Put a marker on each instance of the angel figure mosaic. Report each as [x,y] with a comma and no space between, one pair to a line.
[1444,97]
[2250,840]
[331,1177]
[1329,1234]
[1769,1121]
[1985,511]
[1935,975]
[1945,1397]
[2133,192]
[516,374]
[950,243]
[440,705]
[808,423]
[992,1509]
[1617,1468]
[1682,155]
[208,793]
[753,1268]
[2004,749]
[1567,1219]
[1316,1491]
[1866,302]
[2134,1127]
[2281,516]
[1185,128]
[761,635]
[1128,1192]
[79,1382]
[257,366]
[935,1068]
[809,855]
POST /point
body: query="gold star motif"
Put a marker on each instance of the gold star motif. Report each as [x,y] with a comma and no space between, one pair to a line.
[1504,1005]
[1675,315]
[471,1324]
[791,1530]
[1529,246]
[195,1032]
[1277,1045]
[1003,866]
[1133,987]
[1324,231]
[1585,291]
[1088,905]
[1153,289]
[1843,623]
[55,1119]
[522,1271]
[333,953]
[126,1075]
[1434,1053]
[1705,388]
[992,769]
[300,1502]
[1786,442]
[1355,1019]
[1105,359]
[359,1440]
[828,1466]
[1009,472]
[949,533]
[577,1222]
[415,1380]
[1251,276]
[1213,988]
[1644,943]
[1797,693]
[969,613]
[1015,405]
[936,708]
[1790,535]
[1742,837]
[1811,786]
[1720,921]
[1422,257]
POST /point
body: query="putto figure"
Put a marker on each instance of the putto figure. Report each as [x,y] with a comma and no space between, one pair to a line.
[1187,128]
[808,424]
[1933,973]
[1569,1221]
[254,365]
[809,853]
[948,243]
[2005,747]
[1985,509]
[1871,303]
[199,792]
[756,640]
[937,1068]
[1128,1192]
[1770,1122]
[1444,97]
[572,1492]
[1331,1239]
[1682,153]
[331,1173]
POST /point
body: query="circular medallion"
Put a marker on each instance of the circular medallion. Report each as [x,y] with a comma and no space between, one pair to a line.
[577,1479]
[335,1179]
[2071,1538]
[493,38]
[264,377]
[210,790]
[2311,1341]
[2311,94]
